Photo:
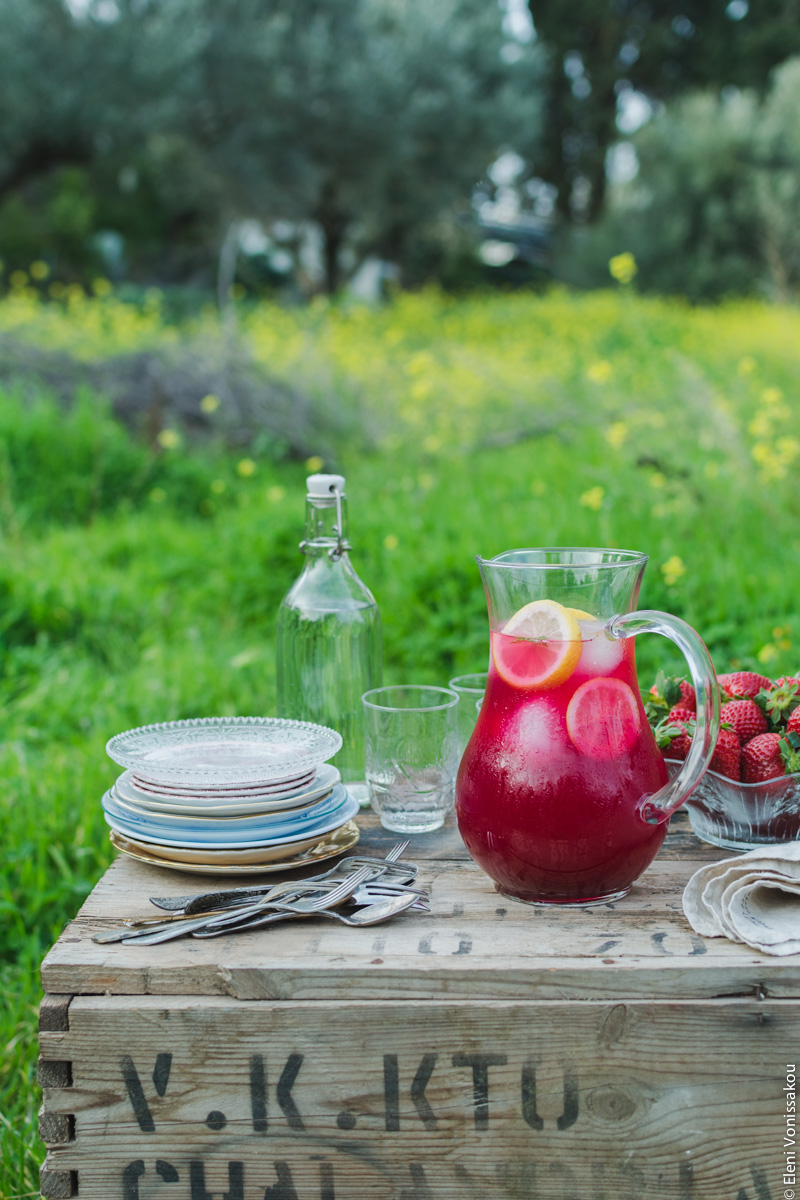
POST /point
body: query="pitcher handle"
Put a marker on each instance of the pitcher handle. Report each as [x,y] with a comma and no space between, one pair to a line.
[662,804]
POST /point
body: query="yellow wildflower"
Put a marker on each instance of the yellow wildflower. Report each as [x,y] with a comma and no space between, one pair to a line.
[772,395]
[56,289]
[169,439]
[746,365]
[102,287]
[391,541]
[658,480]
[427,481]
[209,403]
[600,372]
[245,467]
[218,486]
[616,434]
[18,279]
[711,470]
[623,267]
[158,495]
[767,653]
[432,443]
[315,463]
[39,269]
[593,498]
[672,570]
[276,494]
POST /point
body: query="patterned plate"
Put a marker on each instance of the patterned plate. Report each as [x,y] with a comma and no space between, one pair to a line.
[337,842]
[216,752]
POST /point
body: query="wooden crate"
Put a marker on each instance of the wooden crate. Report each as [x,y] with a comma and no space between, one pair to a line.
[486,1051]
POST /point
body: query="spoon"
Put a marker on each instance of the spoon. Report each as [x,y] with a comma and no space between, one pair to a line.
[372,914]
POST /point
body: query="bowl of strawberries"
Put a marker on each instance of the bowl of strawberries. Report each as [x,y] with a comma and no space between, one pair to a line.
[750,794]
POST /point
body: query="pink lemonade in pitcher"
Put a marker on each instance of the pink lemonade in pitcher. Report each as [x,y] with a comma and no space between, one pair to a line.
[550,786]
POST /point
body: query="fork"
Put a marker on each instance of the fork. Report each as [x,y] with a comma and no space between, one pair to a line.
[152,937]
[194,902]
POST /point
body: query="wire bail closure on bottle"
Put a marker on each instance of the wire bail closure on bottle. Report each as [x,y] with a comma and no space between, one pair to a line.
[320,487]
[341,545]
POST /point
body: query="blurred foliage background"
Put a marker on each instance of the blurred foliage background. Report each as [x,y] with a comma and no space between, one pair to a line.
[275,145]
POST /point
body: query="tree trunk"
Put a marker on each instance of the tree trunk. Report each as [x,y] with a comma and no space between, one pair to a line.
[333,223]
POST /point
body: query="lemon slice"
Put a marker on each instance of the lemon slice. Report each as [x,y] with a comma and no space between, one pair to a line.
[580,615]
[539,646]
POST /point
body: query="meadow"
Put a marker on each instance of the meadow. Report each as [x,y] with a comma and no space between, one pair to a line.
[140,576]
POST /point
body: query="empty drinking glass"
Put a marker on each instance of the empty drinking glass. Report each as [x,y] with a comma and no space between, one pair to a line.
[469,689]
[412,754]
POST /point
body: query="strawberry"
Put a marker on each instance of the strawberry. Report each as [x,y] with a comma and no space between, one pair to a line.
[762,759]
[727,752]
[673,738]
[745,719]
[742,685]
[680,745]
[680,713]
[793,724]
[780,700]
[688,698]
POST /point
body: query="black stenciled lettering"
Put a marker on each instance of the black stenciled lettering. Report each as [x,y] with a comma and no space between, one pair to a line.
[464,946]
[235,1182]
[658,942]
[326,1187]
[133,1084]
[161,1073]
[686,1177]
[258,1093]
[480,1063]
[197,1181]
[529,1112]
[419,1184]
[391,1092]
[421,1079]
[284,1189]
[285,1084]
[130,1179]
[759,1177]
[167,1171]
[570,1114]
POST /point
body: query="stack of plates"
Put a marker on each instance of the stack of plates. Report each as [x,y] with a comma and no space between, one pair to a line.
[229,795]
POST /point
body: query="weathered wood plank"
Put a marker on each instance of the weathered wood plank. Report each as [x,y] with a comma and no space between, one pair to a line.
[473,944]
[196,1098]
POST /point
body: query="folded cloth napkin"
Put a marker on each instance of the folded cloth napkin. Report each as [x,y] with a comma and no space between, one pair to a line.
[753,898]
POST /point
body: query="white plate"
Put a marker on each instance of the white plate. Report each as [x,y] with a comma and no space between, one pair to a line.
[214,752]
[324,779]
[335,843]
[216,828]
[246,791]
[342,813]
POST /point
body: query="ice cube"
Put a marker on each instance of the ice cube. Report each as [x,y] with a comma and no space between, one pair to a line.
[537,728]
[601,654]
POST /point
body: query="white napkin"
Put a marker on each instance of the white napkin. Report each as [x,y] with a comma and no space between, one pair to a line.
[753,898]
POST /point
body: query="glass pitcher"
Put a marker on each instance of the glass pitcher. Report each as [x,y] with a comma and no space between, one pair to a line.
[562,794]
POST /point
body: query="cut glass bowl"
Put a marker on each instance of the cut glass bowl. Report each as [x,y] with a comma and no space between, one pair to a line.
[743,816]
[222,751]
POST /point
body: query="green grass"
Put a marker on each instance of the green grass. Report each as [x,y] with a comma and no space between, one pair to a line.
[138,586]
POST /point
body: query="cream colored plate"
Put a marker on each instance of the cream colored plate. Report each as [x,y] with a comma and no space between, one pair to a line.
[334,843]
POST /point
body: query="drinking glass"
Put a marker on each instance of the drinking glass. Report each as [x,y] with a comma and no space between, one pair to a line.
[470,689]
[412,755]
